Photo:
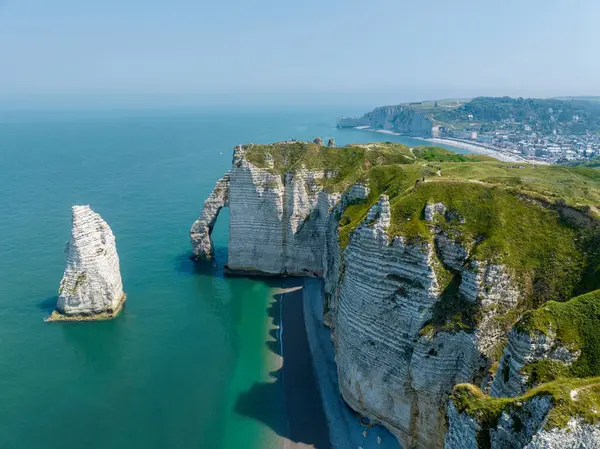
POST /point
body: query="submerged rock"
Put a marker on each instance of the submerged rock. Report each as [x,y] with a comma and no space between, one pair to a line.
[91,287]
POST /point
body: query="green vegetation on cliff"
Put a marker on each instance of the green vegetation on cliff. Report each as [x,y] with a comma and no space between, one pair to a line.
[504,214]
[574,390]
[576,326]
[539,221]
[480,112]
[570,398]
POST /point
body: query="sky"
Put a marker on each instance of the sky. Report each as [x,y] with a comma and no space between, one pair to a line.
[380,51]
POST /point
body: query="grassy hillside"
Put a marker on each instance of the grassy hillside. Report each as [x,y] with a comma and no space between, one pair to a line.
[482,111]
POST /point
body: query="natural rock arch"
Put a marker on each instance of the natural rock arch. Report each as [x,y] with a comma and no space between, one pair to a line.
[201,230]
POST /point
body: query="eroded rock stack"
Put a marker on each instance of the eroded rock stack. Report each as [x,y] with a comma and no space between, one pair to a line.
[91,287]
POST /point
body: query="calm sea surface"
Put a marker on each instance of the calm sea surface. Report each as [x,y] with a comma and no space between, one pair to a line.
[172,371]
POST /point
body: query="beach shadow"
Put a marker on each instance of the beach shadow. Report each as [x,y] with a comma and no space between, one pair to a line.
[274,309]
[274,312]
[294,382]
[262,403]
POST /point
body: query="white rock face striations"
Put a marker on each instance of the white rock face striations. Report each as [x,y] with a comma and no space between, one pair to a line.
[276,224]
[91,287]
[389,370]
[379,292]
[577,435]
[513,430]
[523,349]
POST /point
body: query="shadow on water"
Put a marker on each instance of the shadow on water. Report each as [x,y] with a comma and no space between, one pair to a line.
[274,312]
[96,344]
[306,421]
[185,265]
[48,304]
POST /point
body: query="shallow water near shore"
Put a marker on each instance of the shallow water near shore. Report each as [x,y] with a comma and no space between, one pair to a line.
[181,365]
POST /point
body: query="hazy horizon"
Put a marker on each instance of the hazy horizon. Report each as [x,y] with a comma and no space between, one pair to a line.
[68,54]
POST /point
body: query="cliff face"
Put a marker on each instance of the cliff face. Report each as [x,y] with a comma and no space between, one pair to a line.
[522,350]
[401,119]
[515,429]
[415,294]
[543,394]
[528,422]
[390,367]
[91,287]
[277,223]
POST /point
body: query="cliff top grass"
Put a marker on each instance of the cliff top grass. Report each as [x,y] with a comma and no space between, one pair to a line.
[344,165]
[578,186]
[579,398]
[506,213]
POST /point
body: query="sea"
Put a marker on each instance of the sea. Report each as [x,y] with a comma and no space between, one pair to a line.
[190,362]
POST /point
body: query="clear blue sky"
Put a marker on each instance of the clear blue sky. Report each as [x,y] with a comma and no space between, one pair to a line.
[376,49]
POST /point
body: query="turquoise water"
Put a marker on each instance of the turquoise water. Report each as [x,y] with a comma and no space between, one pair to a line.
[169,371]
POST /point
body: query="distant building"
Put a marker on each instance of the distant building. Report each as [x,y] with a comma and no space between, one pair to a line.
[474,135]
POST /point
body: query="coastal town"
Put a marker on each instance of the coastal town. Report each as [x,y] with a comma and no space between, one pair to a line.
[531,141]
[511,129]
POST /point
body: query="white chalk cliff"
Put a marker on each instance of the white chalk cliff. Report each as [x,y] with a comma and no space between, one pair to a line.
[91,287]
[276,223]
[380,294]
[522,350]
[401,119]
